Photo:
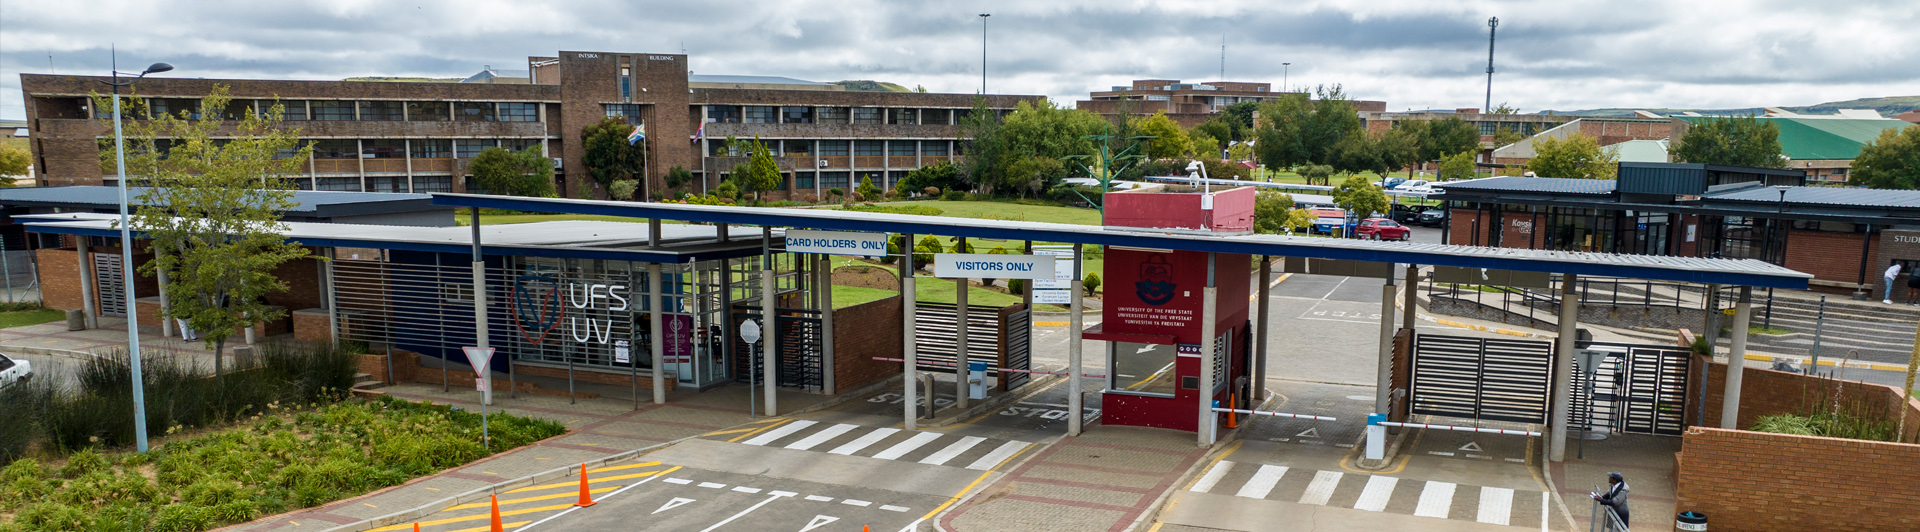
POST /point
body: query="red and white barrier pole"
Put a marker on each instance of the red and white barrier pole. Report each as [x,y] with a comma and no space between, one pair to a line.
[1008,370]
[1275,414]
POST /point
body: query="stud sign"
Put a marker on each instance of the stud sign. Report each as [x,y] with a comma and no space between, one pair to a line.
[837,243]
[982,265]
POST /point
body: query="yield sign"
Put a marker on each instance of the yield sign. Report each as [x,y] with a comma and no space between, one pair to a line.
[819,521]
[1471,446]
[675,503]
[478,357]
[1309,433]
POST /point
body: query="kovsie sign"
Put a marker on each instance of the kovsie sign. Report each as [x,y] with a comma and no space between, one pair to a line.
[981,265]
[837,243]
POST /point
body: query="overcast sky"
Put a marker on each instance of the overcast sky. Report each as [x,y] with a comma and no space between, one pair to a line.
[1413,54]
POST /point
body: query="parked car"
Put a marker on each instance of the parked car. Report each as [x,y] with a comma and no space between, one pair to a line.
[1405,213]
[1381,229]
[1389,183]
[14,370]
[1431,217]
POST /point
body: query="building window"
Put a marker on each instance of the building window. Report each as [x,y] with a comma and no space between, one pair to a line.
[796,115]
[474,111]
[332,109]
[380,110]
[392,183]
[894,177]
[382,148]
[869,148]
[833,148]
[1487,129]
[725,114]
[303,183]
[936,117]
[797,148]
[629,111]
[760,114]
[903,116]
[237,110]
[868,115]
[901,148]
[833,115]
[428,111]
[432,148]
[173,107]
[803,179]
[432,183]
[834,180]
[519,112]
[336,149]
[933,147]
[626,83]
[960,115]
[716,148]
[879,179]
[349,184]
[1825,227]
[470,148]
[519,144]
[1156,98]
[289,109]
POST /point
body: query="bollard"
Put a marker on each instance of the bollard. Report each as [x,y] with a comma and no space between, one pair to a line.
[76,320]
[976,380]
[1376,437]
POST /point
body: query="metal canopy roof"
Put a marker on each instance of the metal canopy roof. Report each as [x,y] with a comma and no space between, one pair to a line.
[1744,272]
[1853,197]
[579,239]
[1553,185]
[314,203]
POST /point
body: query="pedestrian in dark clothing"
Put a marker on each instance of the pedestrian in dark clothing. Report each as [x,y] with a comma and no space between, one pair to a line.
[1615,496]
[1913,288]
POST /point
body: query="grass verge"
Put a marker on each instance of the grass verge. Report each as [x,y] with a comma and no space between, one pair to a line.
[20,318]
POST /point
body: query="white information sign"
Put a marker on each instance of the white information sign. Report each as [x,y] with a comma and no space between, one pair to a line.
[1053,297]
[1062,270]
[621,351]
[837,243]
[982,265]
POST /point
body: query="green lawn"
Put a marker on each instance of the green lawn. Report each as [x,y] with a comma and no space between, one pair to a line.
[930,290]
[998,210]
[30,317]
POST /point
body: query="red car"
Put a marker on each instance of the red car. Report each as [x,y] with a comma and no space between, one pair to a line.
[1382,229]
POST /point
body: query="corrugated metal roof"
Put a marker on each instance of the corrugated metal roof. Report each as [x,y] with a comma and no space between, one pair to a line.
[1818,139]
[306,201]
[1852,197]
[1688,269]
[1552,185]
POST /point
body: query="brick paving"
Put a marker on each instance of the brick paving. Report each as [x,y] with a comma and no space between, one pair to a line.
[1103,480]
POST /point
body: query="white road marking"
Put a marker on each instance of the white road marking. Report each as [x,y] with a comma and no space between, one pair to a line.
[781,432]
[1374,497]
[999,454]
[952,451]
[714,485]
[1496,505]
[856,502]
[1262,482]
[1472,446]
[782,493]
[819,521]
[744,489]
[817,498]
[1212,477]
[742,512]
[1440,453]
[1544,510]
[821,437]
[1321,488]
[892,508]
[675,503]
[1435,499]
[1516,460]
[676,480]
[862,442]
[615,493]
[1311,432]
[902,448]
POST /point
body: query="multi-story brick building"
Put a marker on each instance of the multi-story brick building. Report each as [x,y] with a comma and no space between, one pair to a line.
[419,137]
[1188,104]
[1380,120]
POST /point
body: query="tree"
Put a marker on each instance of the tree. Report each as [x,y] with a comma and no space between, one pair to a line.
[1399,148]
[1202,145]
[866,190]
[982,142]
[1447,136]
[1219,169]
[211,213]
[1029,176]
[1221,129]
[1241,114]
[509,173]
[677,177]
[1301,131]
[1358,152]
[1457,166]
[1169,141]
[1317,172]
[1359,197]
[1890,161]
[1506,136]
[609,156]
[14,162]
[759,173]
[941,175]
[1270,211]
[623,189]
[1504,109]
[1577,156]
[1732,141]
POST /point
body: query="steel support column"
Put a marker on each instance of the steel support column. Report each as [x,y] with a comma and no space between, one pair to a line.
[769,324]
[1210,296]
[1259,377]
[1383,395]
[1563,367]
[1736,360]
[960,373]
[910,374]
[659,343]
[1076,406]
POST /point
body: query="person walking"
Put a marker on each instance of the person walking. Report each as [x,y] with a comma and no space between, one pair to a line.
[1913,289]
[1615,497]
[1892,272]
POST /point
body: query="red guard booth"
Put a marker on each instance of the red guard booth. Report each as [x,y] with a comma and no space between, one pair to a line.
[1153,309]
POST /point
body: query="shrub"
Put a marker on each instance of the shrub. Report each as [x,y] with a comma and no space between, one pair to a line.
[623,189]
[1091,282]
[836,192]
[922,210]
[931,192]
[924,250]
[954,195]
[866,189]
[1016,286]
[726,191]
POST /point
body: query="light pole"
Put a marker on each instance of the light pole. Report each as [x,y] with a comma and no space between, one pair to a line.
[983,52]
[126,254]
[1493,24]
[1285,69]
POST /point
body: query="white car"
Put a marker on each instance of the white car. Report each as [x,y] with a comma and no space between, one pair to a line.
[14,370]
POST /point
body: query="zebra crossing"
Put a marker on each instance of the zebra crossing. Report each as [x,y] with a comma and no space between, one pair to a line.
[886,443]
[1375,493]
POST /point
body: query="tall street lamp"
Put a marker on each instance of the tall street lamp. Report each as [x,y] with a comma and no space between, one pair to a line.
[1493,25]
[126,253]
[983,53]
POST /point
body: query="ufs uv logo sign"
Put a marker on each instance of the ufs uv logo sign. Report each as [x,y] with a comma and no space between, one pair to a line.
[1155,286]
[539,304]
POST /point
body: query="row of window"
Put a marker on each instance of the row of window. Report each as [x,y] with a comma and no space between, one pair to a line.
[419,184]
[768,114]
[364,110]
[418,148]
[840,147]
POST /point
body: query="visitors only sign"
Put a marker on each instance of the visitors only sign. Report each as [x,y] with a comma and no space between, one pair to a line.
[837,243]
[981,265]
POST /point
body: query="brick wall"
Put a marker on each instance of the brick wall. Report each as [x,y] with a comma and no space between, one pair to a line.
[861,332]
[311,325]
[1755,481]
[59,278]
[1764,392]
[593,376]
[1462,223]
[1833,256]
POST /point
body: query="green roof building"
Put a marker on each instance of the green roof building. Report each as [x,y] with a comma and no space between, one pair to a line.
[1822,145]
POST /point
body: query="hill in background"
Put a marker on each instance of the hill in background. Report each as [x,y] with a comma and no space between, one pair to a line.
[1887,106]
[866,85]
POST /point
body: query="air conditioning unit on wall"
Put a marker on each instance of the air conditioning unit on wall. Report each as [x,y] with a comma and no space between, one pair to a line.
[556,163]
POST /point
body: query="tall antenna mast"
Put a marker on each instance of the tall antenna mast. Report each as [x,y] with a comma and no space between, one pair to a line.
[1493,24]
[1223,57]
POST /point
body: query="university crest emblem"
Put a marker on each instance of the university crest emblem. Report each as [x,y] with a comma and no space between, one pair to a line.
[1155,286]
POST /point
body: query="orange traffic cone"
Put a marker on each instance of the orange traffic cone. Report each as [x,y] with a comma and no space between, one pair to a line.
[494,523]
[416,527]
[586,498]
[1233,418]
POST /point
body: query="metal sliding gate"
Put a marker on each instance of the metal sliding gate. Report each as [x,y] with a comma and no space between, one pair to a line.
[800,356]
[1640,389]
[1018,332]
[1003,344]
[111,283]
[1482,378]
